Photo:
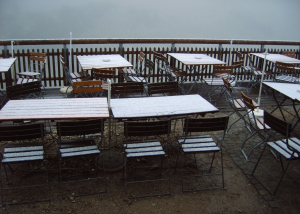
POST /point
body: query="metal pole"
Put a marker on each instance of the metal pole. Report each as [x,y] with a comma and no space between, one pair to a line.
[262,77]
[70,60]
[12,70]
[109,121]
[230,63]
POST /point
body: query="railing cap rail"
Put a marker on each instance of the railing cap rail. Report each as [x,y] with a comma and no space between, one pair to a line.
[145,41]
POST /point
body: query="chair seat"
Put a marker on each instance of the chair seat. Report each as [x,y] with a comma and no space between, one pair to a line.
[281,147]
[287,78]
[214,81]
[239,104]
[25,80]
[201,143]
[76,148]
[260,124]
[22,154]
[135,79]
[29,74]
[142,149]
[128,71]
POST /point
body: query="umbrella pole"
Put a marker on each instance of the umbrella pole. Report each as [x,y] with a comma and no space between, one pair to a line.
[262,78]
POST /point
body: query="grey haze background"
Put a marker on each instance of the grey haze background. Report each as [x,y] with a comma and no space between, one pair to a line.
[211,19]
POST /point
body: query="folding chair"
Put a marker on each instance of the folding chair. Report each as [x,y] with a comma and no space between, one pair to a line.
[162,88]
[143,147]
[144,75]
[235,103]
[36,68]
[256,73]
[23,91]
[192,144]
[104,74]
[27,156]
[239,71]
[126,88]
[124,73]
[255,125]
[172,73]
[90,88]
[291,54]
[215,83]
[72,76]
[285,72]
[85,150]
[287,147]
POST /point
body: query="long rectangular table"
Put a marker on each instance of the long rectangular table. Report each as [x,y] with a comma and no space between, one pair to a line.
[155,107]
[55,109]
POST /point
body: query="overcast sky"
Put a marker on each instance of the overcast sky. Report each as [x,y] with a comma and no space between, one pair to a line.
[209,19]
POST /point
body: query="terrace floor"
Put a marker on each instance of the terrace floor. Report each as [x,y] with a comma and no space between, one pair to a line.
[243,195]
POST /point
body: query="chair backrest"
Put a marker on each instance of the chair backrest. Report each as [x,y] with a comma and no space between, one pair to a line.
[285,68]
[251,63]
[66,70]
[223,69]
[79,127]
[278,125]
[248,102]
[148,69]
[23,89]
[162,88]
[104,73]
[90,86]
[227,85]
[239,55]
[127,88]
[37,61]
[146,128]
[22,132]
[205,124]
[291,54]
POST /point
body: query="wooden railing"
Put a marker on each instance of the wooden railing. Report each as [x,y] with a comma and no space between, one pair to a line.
[54,76]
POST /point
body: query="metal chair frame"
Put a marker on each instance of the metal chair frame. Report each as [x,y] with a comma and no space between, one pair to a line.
[288,148]
[81,147]
[216,82]
[172,73]
[192,144]
[36,68]
[256,73]
[146,147]
[136,71]
[30,150]
[254,125]
[285,72]
[235,103]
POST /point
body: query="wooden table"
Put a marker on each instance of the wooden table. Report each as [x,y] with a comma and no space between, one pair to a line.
[103,61]
[155,107]
[290,91]
[196,59]
[55,109]
[5,65]
[277,58]
[192,59]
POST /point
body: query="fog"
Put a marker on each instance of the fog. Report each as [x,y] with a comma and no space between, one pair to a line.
[207,19]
